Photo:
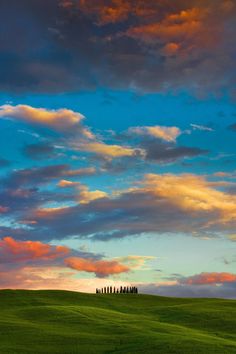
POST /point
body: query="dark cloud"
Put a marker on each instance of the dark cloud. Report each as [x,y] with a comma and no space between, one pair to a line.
[227,290]
[43,175]
[39,151]
[164,152]
[165,204]
[162,147]
[106,219]
[21,191]
[22,200]
[4,162]
[232,127]
[154,46]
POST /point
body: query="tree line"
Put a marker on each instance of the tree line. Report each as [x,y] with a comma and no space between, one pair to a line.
[120,290]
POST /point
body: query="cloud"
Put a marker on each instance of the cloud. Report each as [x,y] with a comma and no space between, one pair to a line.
[101,268]
[12,251]
[61,120]
[114,12]
[154,46]
[201,127]
[193,193]
[208,284]
[165,203]
[136,262]
[4,162]
[75,135]
[158,143]
[43,175]
[232,237]
[167,153]
[19,253]
[53,277]
[209,278]
[172,289]
[39,151]
[64,183]
[84,195]
[3,209]
[232,127]
[110,151]
[168,134]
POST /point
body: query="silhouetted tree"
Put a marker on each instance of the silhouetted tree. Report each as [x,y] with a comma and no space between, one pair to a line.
[121,290]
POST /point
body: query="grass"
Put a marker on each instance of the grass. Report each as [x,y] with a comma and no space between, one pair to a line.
[69,322]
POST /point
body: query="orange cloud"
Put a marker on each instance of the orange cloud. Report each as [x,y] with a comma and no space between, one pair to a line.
[175,26]
[104,12]
[110,151]
[65,183]
[168,134]
[193,193]
[61,120]
[100,268]
[179,33]
[170,49]
[210,278]
[84,194]
[195,204]
[12,250]
[50,213]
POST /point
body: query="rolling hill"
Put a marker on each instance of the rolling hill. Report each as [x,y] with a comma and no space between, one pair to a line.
[69,322]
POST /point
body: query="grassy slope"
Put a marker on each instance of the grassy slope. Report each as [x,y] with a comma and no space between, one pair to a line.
[67,322]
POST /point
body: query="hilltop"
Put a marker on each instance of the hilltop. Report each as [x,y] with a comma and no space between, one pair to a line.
[70,322]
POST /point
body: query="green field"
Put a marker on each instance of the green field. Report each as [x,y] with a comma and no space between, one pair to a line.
[69,322]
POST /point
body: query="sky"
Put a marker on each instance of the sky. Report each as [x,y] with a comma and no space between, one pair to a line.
[117,145]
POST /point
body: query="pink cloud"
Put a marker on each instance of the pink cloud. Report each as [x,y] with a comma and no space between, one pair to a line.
[100,268]
[13,251]
[210,278]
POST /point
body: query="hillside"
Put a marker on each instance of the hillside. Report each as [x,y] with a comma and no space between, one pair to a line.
[70,322]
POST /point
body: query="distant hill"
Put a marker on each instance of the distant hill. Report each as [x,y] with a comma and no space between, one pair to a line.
[69,322]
